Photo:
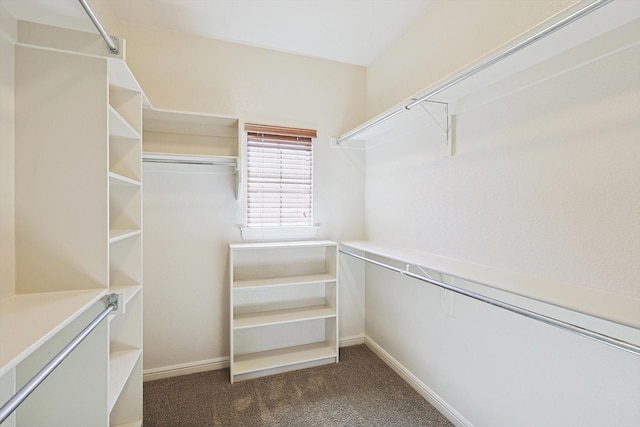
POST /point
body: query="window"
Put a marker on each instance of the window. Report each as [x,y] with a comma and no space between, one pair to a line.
[280,177]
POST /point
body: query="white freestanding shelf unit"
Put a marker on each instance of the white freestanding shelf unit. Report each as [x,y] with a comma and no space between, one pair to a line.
[284,307]
[78,232]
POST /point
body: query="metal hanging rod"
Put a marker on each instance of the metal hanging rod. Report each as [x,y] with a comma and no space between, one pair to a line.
[188,159]
[17,399]
[482,66]
[113,46]
[578,330]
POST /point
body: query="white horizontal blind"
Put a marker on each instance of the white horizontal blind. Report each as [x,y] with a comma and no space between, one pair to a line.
[280,177]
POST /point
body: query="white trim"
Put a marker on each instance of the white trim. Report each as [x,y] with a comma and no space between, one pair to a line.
[216,364]
[440,404]
[352,340]
[185,369]
[275,233]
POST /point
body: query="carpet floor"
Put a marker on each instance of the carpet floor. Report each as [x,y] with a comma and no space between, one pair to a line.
[361,390]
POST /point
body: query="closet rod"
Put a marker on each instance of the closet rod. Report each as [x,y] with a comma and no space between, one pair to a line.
[587,333]
[482,66]
[190,162]
[17,399]
[113,47]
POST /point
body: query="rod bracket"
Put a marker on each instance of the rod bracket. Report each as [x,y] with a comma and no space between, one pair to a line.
[116,300]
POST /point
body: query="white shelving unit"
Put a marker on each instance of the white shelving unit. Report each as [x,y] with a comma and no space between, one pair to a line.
[78,233]
[187,142]
[125,244]
[283,306]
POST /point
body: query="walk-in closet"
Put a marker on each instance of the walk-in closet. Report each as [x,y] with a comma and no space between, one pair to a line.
[319,212]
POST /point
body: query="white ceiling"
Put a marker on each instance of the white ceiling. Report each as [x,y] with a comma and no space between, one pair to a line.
[352,31]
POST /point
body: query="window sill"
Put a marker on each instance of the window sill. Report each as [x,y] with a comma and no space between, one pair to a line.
[275,233]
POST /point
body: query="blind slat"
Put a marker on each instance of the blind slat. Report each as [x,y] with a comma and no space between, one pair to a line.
[279,184]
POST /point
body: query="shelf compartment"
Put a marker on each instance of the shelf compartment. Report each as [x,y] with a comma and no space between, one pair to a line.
[188,133]
[125,158]
[288,315]
[128,105]
[121,364]
[28,320]
[284,281]
[119,127]
[129,291]
[125,203]
[283,357]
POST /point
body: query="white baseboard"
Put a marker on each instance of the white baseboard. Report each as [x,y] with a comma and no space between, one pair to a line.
[440,404]
[352,340]
[215,364]
[185,369]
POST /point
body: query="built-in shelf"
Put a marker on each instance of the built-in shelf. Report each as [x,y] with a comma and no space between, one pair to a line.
[284,295]
[272,359]
[188,142]
[284,281]
[274,317]
[29,320]
[121,364]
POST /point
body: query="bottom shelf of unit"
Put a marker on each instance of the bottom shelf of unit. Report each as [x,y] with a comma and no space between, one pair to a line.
[272,359]
[121,364]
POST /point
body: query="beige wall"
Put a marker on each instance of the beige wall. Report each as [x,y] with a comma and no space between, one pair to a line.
[7,154]
[189,219]
[449,36]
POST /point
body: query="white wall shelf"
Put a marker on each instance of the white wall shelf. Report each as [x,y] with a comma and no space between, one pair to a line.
[284,357]
[275,287]
[284,281]
[29,320]
[274,317]
[189,142]
[518,64]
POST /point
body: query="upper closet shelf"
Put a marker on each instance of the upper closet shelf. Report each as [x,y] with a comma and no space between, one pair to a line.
[28,320]
[191,142]
[575,37]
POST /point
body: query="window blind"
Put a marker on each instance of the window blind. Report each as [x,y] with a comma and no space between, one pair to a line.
[280,176]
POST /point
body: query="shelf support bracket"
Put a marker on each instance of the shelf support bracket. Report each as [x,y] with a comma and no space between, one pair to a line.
[443,121]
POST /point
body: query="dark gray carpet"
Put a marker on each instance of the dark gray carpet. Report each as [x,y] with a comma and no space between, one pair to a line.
[359,391]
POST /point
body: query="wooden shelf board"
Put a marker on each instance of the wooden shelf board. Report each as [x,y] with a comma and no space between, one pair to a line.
[117,179]
[119,127]
[271,359]
[284,281]
[274,245]
[115,235]
[121,364]
[273,317]
[182,122]
[28,320]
